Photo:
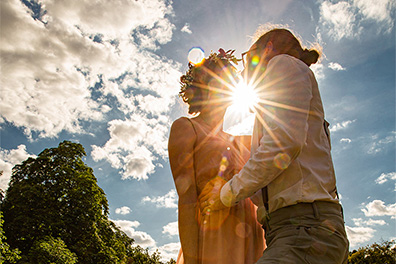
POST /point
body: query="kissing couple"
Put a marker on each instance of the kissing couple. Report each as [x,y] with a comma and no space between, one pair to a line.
[268,198]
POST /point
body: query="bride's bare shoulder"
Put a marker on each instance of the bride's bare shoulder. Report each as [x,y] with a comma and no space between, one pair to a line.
[182,127]
[182,137]
[182,122]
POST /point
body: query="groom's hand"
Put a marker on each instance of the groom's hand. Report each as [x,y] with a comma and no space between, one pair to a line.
[210,196]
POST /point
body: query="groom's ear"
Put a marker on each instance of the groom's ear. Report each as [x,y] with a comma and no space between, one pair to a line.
[269,47]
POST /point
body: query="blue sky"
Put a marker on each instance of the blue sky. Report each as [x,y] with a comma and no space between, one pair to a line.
[105,74]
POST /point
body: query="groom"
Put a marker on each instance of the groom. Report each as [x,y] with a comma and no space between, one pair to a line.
[290,174]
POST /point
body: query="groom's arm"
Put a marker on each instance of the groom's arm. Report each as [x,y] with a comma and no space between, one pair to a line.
[286,92]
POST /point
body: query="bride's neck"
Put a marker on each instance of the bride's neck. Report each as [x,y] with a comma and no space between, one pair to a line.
[212,118]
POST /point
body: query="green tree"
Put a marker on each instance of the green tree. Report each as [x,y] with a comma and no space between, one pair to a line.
[382,253]
[7,255]
[56,195]
[1,191]
[51,251]
[142,256]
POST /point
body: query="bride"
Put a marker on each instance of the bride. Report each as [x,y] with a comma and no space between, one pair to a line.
[201,155]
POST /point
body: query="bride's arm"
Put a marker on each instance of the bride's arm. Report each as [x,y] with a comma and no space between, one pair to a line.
[180,148]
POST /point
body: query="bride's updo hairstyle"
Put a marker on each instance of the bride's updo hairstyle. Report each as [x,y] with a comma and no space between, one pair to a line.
[212,74]
[284,42]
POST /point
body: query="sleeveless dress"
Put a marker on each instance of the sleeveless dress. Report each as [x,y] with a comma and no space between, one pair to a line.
[231,235]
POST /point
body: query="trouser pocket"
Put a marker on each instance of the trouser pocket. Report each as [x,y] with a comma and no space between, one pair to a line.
[327,246]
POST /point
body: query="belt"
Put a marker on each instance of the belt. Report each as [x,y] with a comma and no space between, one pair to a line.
[315,209]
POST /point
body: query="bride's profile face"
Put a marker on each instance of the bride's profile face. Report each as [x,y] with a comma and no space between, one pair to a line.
[219,92]
[209,85]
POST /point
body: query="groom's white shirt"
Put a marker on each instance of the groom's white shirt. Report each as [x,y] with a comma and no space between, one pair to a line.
[291,143]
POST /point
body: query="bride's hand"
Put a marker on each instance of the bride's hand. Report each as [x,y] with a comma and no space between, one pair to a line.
[209,198]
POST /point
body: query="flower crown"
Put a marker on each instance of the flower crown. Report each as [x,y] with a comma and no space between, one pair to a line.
[187,79]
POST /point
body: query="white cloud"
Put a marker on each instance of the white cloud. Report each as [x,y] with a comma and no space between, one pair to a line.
[359,235]
[48,72]
[363,231]
[141,238]
[138,165]
[186,29]
[47,69]
[336,66]
[378,208]
[172,229]
[8,159]
[347,19]
[238,123]
[106,17]
[144,240]
[152,104]
[318,68]
[132,144]
[379,144]
[136,141]
[384,177]
[338,19]
[42,88]
[346,140]
[123,210]
[379,11]
[168,251]
[162,34]
[342,125]
[370,222]
[169,200]
[345,106]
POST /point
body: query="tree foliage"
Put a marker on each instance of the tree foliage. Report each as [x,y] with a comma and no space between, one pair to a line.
[56,195]
[142,256]
[51,251]
[377,253]
[7,255]
[55,212]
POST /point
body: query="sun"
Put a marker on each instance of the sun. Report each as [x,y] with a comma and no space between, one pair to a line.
[240,115]
[244,97]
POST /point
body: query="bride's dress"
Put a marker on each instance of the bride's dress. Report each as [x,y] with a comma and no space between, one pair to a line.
[230,235]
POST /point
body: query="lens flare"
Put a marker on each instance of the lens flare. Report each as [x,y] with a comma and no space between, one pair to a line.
[255,60]
[196,55]
[244,97]
[282,161]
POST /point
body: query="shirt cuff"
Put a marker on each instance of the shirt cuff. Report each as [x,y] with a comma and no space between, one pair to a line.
[227,197]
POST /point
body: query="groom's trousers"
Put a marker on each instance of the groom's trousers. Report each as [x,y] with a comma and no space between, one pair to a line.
[306,233]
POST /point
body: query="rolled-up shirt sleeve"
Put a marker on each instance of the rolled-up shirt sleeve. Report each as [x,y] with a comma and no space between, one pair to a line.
[285,94]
